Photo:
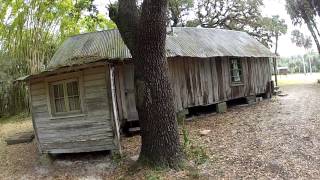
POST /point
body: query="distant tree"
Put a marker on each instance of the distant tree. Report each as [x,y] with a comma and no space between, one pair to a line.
[303,11]
[241,15]
[177,10]
[275,27]
[302,41]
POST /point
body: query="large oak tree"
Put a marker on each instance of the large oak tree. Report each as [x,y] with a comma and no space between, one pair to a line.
[144,32]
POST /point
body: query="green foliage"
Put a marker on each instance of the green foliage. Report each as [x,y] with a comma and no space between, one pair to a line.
[193,151]
[94,23]
[153,175]
[295,63]
[178,9]
[301,40]
[275,27]
[16,118]
[305,11]
[30,32]
[241,15]
[118,158]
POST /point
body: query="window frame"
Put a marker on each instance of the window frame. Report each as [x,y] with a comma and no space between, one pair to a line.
[240,70]
[64,78]
[65,97]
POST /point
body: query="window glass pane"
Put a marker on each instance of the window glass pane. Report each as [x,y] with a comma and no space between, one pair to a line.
[58,91]
[58,97]
[72,88]
[74,103]
[59,105]
[236,70]
[73,96]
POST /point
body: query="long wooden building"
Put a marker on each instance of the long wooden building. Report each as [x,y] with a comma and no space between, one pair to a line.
[87,93]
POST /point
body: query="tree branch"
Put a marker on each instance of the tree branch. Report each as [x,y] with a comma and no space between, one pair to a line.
[126,15]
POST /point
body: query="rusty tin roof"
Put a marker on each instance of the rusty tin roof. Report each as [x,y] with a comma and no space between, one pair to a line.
[185,42]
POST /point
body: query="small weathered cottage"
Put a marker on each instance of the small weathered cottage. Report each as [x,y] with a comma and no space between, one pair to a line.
[87,92]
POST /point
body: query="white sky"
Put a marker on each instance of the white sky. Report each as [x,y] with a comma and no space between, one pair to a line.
[271,7]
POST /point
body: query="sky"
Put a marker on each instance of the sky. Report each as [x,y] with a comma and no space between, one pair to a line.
[271,7]
[286,47]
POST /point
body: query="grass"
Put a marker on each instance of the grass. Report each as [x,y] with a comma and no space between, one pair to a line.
[292,79]
[16,118]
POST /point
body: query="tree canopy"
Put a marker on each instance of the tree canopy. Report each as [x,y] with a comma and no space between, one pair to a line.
[301,40]
[178,9]
[305,11]
[30,32]
[276,28]
[241,15]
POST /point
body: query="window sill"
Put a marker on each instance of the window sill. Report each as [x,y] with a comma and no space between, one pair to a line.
[237,84]
[68,116]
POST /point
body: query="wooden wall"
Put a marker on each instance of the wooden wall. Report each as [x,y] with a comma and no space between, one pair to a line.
[198,82]
[92,130]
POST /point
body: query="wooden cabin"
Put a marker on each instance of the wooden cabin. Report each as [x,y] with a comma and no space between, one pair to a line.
[283,70]
[87,93]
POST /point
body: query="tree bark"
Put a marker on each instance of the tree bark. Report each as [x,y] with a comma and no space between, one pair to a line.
[154,97]
[310,27]
[304,66]
[275,61]
[160,138]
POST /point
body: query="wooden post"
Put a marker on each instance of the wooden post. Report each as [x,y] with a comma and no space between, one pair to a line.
[275,70]
[115,112]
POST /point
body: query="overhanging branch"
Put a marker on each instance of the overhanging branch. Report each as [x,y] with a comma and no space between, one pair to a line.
[126,15]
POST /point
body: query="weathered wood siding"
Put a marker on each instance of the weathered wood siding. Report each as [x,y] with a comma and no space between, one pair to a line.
[92,130]
[200,82]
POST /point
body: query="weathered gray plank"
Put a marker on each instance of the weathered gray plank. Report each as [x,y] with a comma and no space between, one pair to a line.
[85,149]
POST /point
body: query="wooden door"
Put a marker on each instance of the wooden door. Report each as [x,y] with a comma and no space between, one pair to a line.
[132,114]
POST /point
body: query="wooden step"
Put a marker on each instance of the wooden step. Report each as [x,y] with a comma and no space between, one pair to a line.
[23,137]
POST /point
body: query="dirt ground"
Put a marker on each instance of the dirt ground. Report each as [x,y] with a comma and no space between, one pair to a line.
[274,139]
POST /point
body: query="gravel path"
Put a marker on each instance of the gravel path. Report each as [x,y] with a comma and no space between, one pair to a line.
[275,139]
[278,139]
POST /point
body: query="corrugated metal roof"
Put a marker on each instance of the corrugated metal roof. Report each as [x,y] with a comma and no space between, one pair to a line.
[187,42]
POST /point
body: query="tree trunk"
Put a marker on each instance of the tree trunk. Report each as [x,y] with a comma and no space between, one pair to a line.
[146,40]
[160,138]
[310,27]
[275,61]
[314,35]
[304,66]
[310,65]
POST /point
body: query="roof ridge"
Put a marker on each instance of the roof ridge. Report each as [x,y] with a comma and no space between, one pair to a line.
[95,32]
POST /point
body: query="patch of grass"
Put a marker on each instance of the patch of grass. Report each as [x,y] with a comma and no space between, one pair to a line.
[198,154]
[193,151]
[153,175]
[16,118]
[193,173]
[118,158]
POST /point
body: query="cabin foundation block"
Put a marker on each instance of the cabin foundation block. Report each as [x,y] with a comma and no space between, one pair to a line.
[221,107]
[251,100]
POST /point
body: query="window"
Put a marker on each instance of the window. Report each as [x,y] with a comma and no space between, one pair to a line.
[65,97]
[236,71]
